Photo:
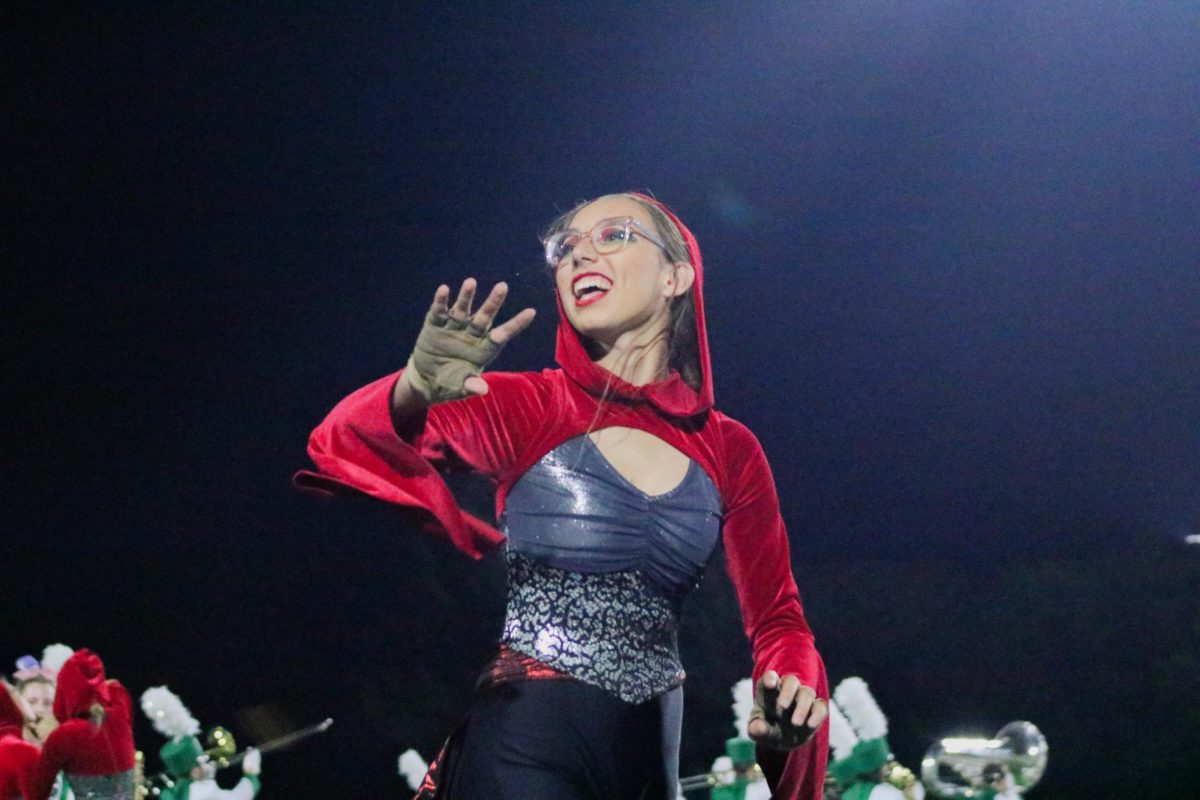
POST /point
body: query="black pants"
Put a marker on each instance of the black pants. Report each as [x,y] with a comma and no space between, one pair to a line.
[558,740]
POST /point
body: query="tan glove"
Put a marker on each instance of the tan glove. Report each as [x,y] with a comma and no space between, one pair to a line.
[448,351]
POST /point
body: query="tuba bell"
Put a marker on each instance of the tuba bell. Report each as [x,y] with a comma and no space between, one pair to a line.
[1007,765]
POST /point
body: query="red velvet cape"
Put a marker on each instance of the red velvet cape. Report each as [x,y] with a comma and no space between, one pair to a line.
[526,415]
[78,746]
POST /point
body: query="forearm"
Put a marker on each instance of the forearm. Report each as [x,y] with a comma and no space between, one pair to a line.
[408,407]
[780,638]
[758,559]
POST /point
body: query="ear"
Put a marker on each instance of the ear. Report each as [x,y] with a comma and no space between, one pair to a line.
[679,280]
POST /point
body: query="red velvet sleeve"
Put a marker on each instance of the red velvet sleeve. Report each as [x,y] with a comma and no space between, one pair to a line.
[357,449]
[759,563]
[18,761]
[53,759]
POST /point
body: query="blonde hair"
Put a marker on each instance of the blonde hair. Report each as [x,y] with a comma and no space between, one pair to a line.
[21,684]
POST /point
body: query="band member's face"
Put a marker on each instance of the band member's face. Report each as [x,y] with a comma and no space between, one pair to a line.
[38,699]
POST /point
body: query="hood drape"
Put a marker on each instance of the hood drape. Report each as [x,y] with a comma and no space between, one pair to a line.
[673,396]
[81,684]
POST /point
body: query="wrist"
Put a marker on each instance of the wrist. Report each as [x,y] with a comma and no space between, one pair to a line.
[411,393]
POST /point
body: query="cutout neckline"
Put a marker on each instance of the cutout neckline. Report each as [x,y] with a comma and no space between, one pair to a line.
[687,473]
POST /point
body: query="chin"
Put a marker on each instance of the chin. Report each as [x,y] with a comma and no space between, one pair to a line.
[595,330]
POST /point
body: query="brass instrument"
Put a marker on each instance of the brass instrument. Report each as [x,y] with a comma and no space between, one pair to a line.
[222,752]
[964,767]
[221,746]
[139,775]
[896,774]
[707,780]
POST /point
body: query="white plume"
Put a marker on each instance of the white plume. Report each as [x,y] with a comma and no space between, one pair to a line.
[860,708]
[168,714]
[55,655]
[413,768]
[841,736]
[743,702]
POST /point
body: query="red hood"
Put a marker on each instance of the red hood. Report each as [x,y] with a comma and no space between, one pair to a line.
[672,396]
[12,718]
[81,684]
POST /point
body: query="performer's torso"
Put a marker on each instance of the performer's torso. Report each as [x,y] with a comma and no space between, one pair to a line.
[598,568]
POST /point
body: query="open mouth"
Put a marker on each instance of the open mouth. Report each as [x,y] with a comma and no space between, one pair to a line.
[590,287]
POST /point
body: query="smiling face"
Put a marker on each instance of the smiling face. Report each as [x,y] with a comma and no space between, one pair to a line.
[610,297]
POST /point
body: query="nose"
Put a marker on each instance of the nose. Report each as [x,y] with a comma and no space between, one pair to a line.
[579,255]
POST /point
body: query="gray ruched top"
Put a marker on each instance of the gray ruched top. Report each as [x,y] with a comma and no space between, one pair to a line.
[574,511]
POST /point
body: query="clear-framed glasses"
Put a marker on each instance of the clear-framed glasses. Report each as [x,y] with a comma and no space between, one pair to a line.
[608,236]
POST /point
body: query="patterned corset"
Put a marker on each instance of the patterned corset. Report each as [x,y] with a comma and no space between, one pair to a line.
[121,786]
[611,629]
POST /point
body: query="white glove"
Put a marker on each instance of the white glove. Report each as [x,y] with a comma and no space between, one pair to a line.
[252,762]
[208,770]
[413,768]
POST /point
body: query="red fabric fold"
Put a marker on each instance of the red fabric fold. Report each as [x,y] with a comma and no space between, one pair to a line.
[18,763]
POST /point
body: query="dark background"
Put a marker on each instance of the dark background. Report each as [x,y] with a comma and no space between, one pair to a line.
[952,284]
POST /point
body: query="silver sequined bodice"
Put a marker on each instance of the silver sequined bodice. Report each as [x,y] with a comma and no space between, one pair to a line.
[598,569]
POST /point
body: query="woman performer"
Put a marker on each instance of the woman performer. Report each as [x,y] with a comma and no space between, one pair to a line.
[616,478]
[93,743]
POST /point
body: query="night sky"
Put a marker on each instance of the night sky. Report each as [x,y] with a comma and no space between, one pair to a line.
[952,282]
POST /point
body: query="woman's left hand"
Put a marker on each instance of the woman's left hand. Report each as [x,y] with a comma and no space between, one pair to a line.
[786,713]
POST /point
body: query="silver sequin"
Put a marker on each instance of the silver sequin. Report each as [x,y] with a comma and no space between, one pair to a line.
[612,630]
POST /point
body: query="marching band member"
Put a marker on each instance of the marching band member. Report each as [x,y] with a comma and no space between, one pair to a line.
[192,773]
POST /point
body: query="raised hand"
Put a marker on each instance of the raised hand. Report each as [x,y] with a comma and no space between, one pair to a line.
[786,713]
[252,762]
[455,344]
